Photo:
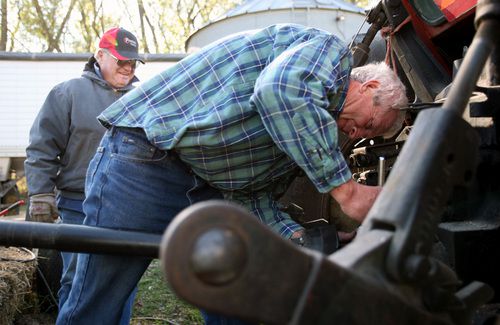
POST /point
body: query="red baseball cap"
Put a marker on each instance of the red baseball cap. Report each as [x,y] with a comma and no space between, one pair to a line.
[121,43]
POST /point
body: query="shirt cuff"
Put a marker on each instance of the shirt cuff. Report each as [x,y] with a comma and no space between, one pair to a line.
[329,170]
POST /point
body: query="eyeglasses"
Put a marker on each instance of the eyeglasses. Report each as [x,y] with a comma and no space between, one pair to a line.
[369,124]
[122,63]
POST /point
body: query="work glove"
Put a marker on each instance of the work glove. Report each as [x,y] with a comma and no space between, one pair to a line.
[43,208]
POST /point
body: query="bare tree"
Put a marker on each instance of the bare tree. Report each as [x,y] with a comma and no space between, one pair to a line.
[91,24]
[163,26]
[171,22]
[3,25]
[143,16]
[41,19]
[75,25]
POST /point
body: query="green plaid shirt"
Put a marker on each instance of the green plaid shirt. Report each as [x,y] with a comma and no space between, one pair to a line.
[246,111]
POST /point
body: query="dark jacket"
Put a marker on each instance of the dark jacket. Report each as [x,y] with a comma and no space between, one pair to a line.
[66,133]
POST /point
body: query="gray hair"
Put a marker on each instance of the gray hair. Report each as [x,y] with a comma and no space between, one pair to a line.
[391,93]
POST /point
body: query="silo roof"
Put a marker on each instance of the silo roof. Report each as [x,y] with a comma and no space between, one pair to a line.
[251,6]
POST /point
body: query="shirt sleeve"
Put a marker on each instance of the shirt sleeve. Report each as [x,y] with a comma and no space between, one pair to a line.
[47,140]
[293,95]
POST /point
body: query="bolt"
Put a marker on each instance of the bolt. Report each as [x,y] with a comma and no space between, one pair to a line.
[219,256]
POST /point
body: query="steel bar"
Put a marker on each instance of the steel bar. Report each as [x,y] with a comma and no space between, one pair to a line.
[381,171]
[214,250]
[81,239]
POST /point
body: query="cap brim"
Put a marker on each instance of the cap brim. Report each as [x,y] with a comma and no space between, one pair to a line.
[126,55]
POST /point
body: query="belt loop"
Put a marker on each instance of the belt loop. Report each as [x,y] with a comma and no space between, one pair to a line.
[112,130]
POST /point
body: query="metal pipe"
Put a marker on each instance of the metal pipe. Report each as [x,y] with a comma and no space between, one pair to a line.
[381,171]
[77,238]
[10,207]
[360,52]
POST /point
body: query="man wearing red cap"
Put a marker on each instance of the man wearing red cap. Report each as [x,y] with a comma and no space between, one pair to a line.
[66,133]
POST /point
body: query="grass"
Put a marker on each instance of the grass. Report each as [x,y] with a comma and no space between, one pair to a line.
[156,304]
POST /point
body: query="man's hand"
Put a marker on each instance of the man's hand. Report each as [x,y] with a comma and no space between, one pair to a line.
[43,208]
[355,199]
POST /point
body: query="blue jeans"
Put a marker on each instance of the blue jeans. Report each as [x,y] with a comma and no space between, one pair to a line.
[131,185]
[71,212]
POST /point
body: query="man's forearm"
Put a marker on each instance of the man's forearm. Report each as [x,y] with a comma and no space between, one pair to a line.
[40,176]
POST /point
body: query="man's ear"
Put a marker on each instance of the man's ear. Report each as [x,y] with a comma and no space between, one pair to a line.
[98,56]
[370,84]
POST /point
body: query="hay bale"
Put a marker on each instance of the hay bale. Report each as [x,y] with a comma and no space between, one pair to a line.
[17,268]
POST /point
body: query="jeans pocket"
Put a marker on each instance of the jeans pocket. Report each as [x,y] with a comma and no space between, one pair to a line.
[138,149]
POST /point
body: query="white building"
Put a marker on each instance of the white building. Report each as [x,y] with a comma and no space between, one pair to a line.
[25,81]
